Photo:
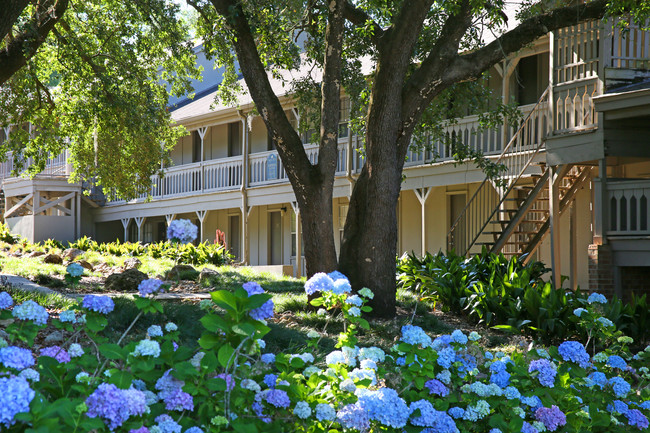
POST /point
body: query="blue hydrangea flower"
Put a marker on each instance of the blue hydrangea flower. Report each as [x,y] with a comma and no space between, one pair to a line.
[155,331]
[415,335]
[266,310]
[354,300]
[16,357]
[637,419]
[166,424]
[477,411]
[319,282]
[268,358]
[30,374]
[546,370]
[82,377]
[605,322]
[436,387]
[30,310]
[353,416]
[618,406]
[15,397]
[354,312]
[302,410]
[277,398]
[596,378]
[368,364]
[147,348]
[182,231]
[5,300]
[456,412]
[474,336]
[616,361]
[56,352]
[620,386]
[429,417]
[250,385]
[150,286]
[75,270]
[115,405]
[500,375]
[444,376]
[324,411]
[194,430]
[373,353]
[528,428]
[171,327]
[574,351]
[270,380]
[366,293]
[441,342]
[459,337]
[335,357]
[99,304]
[600,357]
[348,385]
[341,286]
[533,401]
[179,401]
[68,316]
[597,298]
[384,406]
[359,374]
[511,393]
[578,311]
[336,275]
[552,417]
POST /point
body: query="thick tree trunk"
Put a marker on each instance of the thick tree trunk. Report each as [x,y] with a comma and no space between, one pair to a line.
[318,230]
[369,245]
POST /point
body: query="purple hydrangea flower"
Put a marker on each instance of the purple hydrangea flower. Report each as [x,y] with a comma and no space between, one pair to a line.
[353,416]
[528,428]
[266,310]
[429,417]
[115,405]
[179,401]
[230,381]
[15,397]
[56,352]
[142,429]
[637,419]
[99,304]
[268,358]
[16,357]
[436,387]
[319,282]
[552,417]
[182,231]
[546,370]
[149,286]
[277,398]
[5,300]
[30,310]
[574,351]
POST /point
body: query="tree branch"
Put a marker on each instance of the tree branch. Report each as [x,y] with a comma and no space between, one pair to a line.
[288,141]
[23,47]
[331,89]
[12,10]
[360,18]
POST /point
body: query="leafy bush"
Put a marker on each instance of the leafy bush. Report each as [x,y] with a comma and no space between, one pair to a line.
[442,385]
[506,294]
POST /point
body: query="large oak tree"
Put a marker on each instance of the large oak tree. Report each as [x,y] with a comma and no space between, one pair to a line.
[420,49]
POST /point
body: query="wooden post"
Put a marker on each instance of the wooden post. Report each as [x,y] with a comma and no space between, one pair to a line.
[138,222]
[296,211]
[125,224]
[551,81]
[573,247]
[201,214]
[554,224]
[423,194]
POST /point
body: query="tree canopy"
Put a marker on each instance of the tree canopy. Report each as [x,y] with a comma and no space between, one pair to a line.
[94,77]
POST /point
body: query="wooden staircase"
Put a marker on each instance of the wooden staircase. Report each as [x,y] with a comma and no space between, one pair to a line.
[520,229]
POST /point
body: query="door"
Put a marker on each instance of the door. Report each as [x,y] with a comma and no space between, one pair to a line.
[275,238]
[235,236]
[457,203]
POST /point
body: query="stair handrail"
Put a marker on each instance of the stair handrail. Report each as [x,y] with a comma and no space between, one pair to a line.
[506,152]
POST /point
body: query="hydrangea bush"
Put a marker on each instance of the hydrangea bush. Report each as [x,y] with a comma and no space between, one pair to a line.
[182,231]
[424,383]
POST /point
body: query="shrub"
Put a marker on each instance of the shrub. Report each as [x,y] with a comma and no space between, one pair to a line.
[446,384]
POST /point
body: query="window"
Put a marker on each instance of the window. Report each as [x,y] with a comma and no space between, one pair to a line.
[344,117]
[196,146]
[148,233]
[234,139]
[343,214]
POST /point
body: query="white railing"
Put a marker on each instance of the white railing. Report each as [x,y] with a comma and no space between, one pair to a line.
[630,49]
[628,207]
[57,165]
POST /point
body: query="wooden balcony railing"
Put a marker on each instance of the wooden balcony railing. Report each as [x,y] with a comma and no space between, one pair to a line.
[628,207]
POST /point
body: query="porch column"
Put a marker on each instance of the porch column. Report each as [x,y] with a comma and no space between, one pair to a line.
[201,214]
[169,218]
[78,215]
[245,212]
[296,211]
[423,194]
[601,205]
[138,222]
[554,223]
[573,248]
[202,132]
[125,224]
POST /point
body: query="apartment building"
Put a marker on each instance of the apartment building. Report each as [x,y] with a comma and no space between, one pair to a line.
[575,193]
